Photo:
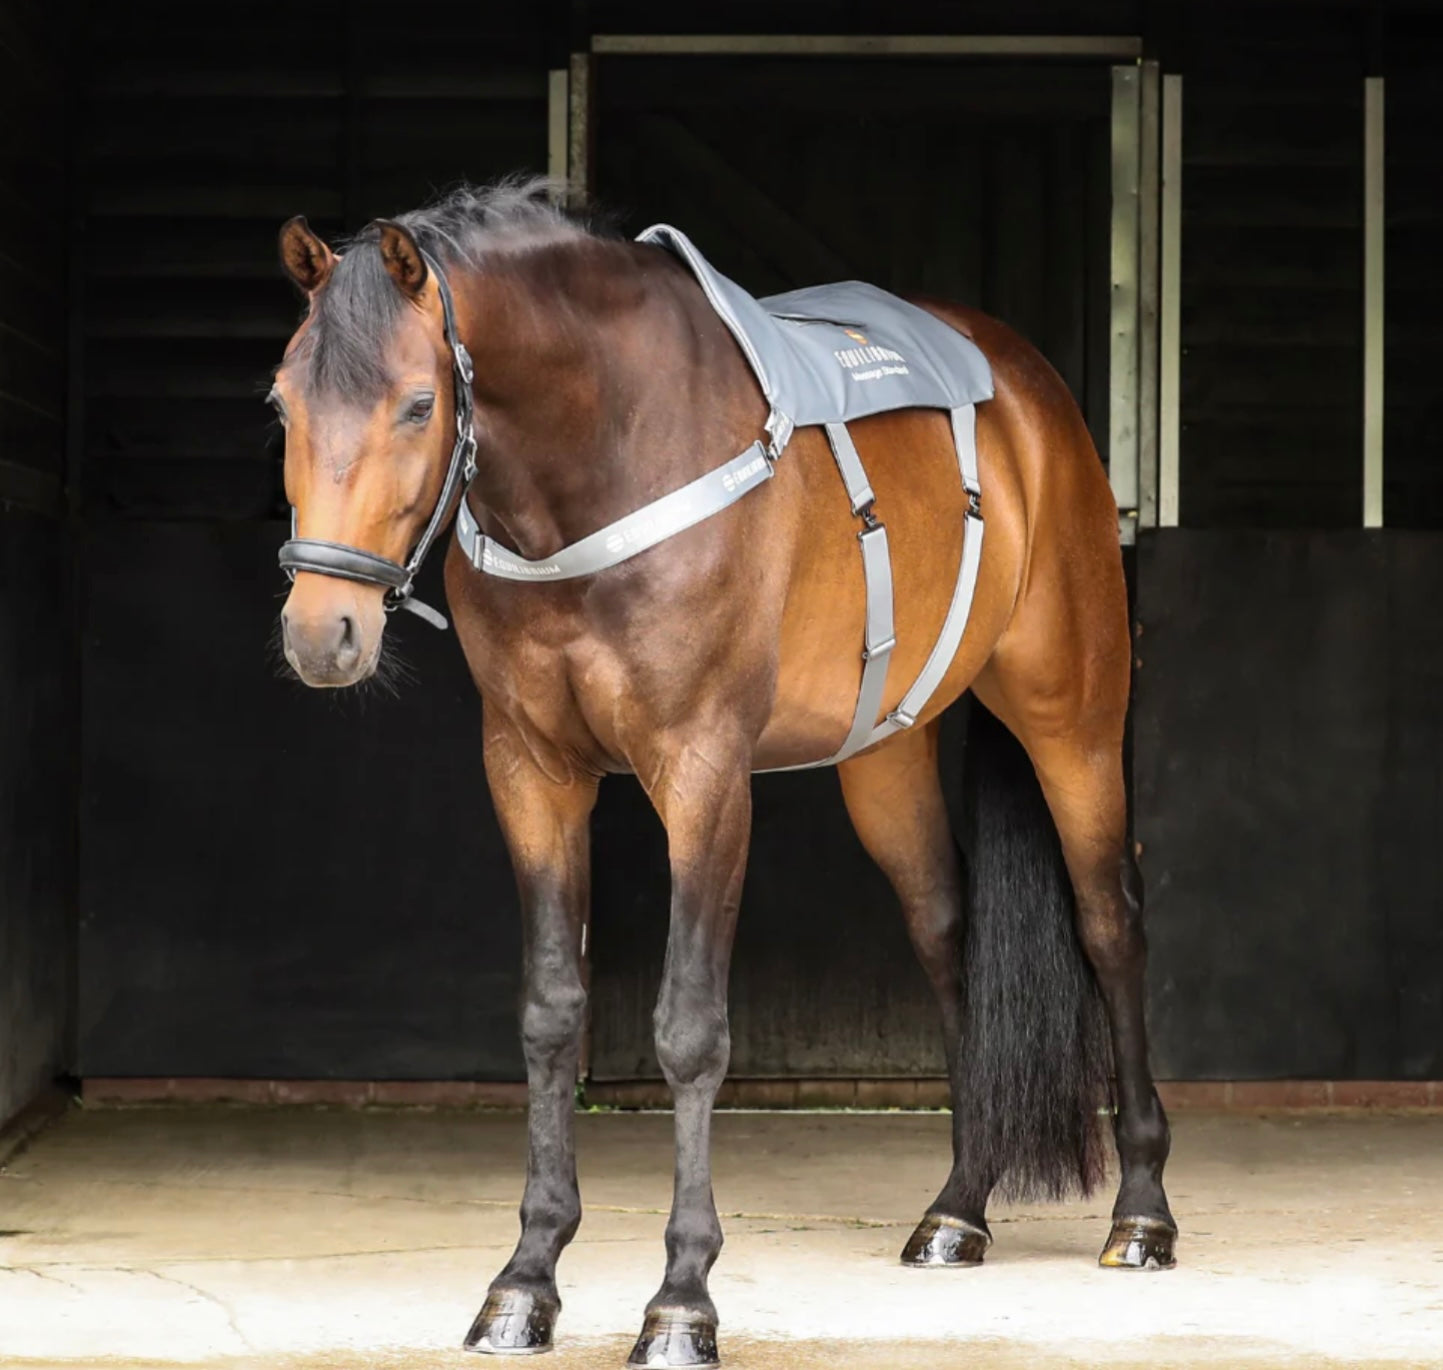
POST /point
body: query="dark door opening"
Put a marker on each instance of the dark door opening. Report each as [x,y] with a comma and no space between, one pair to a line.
[986,183]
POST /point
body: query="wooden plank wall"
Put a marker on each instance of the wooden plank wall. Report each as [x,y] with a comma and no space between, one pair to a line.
[37,791]
[199,141]
[372,934]
[1413,267]
[1288,796]
[1272,266]
[33,254]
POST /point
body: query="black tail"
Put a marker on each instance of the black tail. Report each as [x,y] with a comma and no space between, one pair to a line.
[1035,1053]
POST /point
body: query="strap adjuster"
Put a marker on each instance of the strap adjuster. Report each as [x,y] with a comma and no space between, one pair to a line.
[881,649]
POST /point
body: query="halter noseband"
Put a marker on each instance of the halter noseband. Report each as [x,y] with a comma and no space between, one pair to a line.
[354,563]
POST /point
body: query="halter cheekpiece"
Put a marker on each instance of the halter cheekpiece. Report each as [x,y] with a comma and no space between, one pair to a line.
[353,563]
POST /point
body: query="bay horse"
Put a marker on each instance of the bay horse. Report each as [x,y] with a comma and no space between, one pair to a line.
[596,377]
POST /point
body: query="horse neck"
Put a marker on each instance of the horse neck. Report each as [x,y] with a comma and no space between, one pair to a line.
[599,385]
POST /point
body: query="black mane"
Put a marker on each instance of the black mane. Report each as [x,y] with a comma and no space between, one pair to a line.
[359,305]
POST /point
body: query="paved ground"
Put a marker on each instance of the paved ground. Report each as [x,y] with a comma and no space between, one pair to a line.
[307,1239]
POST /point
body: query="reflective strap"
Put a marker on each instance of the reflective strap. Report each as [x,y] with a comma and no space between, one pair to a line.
[964,434]
[879,635]
[964,431]
[652,523]
[881,638]
[915,700]
[876,655]
[850,465]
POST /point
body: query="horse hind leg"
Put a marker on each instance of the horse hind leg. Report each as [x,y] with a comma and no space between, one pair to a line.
[896,805]
[1085,793]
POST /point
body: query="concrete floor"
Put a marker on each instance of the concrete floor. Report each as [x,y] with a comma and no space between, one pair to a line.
[297,1239]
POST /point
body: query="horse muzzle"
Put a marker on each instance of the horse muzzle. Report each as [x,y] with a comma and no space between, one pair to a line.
[331,646]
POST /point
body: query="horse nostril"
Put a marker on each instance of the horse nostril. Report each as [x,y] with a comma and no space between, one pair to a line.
[348,644]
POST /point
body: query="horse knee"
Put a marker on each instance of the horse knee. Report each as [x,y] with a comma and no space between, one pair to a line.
[692,1047]
[551,1020]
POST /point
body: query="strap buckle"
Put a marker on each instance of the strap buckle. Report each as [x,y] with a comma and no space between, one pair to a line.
[464,366]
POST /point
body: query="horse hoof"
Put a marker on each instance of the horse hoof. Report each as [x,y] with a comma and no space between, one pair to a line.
[513,1322]
[1140,1244]
[941,1240]
[674,1337]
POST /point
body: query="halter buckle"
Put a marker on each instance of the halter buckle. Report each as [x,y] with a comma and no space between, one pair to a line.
[463,361]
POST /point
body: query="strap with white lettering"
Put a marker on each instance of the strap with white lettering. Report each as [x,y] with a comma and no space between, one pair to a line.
[652,523]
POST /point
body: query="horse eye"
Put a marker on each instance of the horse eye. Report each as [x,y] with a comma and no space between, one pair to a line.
[278,404]
[420,409]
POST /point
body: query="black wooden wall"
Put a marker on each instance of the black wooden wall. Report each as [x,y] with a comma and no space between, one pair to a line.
[1289,798]
[1413,315]
[1272,299]
[277,882]
[273,881]
[37,717]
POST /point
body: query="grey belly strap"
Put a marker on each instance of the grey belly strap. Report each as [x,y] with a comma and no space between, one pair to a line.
[822,356]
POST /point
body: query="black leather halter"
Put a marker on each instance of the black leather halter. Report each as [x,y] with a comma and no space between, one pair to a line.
[354,563]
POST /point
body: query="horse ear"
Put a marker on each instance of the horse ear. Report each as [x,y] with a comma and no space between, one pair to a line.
[304,257]
[402,257]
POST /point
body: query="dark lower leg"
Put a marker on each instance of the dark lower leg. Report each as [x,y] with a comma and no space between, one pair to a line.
[546,827]
[693,1045]
[708,828]
[896,805]
[954,1230]
[522,1304]
[551,1203]
[1110,923]
[1084,788]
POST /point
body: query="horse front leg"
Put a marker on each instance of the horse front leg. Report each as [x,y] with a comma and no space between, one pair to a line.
[704,798]
[545,823]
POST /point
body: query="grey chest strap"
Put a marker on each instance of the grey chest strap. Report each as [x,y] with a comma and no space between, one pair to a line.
[653,523]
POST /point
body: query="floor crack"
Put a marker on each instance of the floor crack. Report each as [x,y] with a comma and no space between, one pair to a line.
[39,1275]
[213,1299]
